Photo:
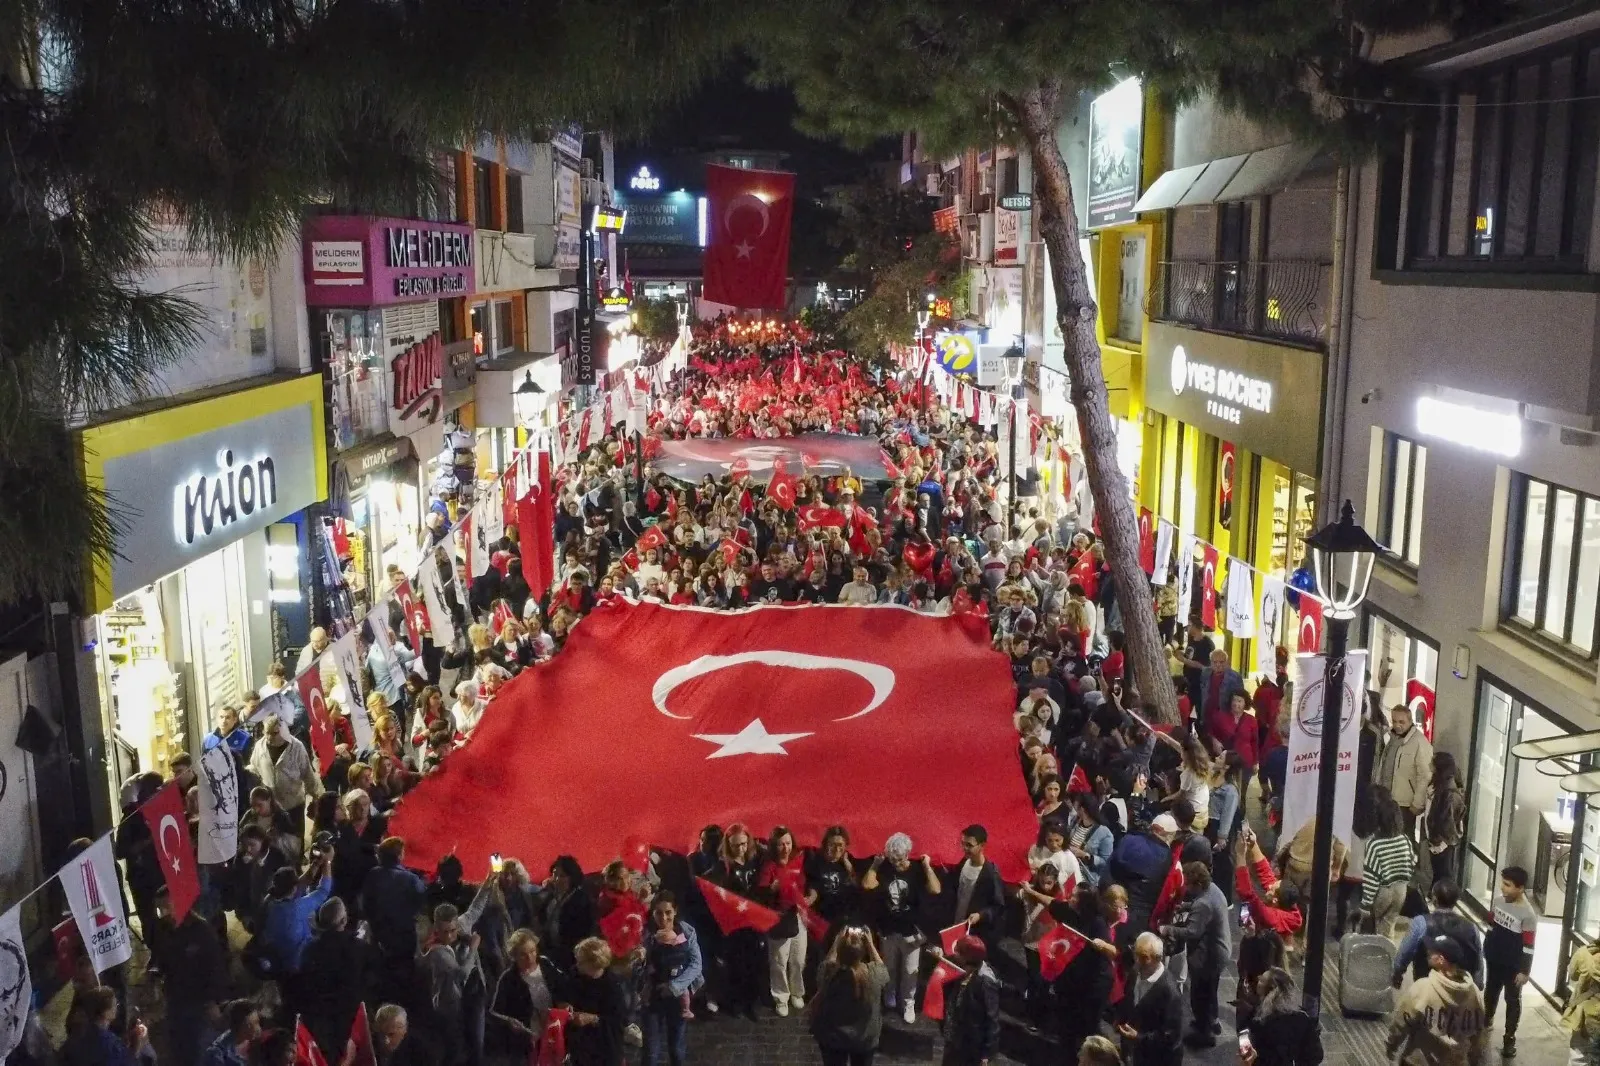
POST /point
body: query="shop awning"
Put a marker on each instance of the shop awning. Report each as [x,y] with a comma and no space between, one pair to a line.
[1168,189]
[1271,170]
[1232,178]
[1560,755]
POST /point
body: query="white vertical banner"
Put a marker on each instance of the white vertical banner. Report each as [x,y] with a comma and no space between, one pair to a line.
[219,807]
[347,657]
[1305,743]
[1241,619]
[494,518]
[1164,533]
[90,882]
[477,537]
[16,984]
[1269,610]
[378,622]
[444,628]
[1186,546]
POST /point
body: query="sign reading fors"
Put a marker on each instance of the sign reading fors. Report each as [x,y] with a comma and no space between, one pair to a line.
[645,181]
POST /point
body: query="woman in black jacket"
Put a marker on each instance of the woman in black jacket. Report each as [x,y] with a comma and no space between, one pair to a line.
[523,996]
[599,1006]
[570,914]
[1281,1034]
[1083,989]
[743,951]
[847,1011]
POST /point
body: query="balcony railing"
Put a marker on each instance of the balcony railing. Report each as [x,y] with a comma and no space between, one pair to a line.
[1283,299]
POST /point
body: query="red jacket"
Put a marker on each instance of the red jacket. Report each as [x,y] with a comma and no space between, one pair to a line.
[1284,922]
[1239,736]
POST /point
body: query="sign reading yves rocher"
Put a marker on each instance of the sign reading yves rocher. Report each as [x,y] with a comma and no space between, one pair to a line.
[359,261]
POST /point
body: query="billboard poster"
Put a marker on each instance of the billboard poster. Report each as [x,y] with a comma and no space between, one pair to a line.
[1116,127]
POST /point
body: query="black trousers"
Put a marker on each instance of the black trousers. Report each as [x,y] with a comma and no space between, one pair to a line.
[1203,997]
[835,1057]
[1503,978]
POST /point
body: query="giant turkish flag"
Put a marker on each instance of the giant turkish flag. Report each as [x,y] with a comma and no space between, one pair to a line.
[747,250]
[655,721]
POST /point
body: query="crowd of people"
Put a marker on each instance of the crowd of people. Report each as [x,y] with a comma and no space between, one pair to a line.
[1148,846]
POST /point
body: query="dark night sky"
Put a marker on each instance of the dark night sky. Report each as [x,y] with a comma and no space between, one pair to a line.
[729,113]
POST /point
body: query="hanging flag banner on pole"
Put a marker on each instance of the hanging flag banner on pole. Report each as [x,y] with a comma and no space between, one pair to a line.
[1164,532]
[90,883]
[1186,547]
[169,831]
[1305,742]
[219,807]
[1241,600]
[1268,611]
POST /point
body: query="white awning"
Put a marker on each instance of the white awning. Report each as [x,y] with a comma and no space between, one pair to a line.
[1208,185]
[1168,189]
[1233,178]
[1270,170]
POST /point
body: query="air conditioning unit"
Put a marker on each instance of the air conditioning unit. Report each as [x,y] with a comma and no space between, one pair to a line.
[595,192]
[961,204]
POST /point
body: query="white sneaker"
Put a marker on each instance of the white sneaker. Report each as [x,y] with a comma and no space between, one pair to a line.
[632,1036]
[711,1006]
[797,1002]
[781,1006]
[910,1014]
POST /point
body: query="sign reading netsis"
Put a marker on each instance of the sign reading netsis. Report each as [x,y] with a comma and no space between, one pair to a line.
[1259,396]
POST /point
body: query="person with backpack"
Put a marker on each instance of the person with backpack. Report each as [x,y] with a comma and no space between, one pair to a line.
[1445,816]
[1442,920]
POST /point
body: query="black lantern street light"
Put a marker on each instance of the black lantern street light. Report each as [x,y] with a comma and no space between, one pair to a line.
[1342,559]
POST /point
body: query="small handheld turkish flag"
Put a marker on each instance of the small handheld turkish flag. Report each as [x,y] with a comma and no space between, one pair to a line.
[630,559]
[650,538]
[1057,949]
[781,490]
[310,685]
[739,468]
[1310,624]
[552,1047]
[306,1051]
[949,937]
[732,911]
[358,1050]
[169,832]
[623,927]
[944,972]
[1078,782]
[820,516]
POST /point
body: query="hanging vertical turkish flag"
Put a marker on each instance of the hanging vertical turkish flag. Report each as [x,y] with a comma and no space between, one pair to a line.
[1208,586]
[747,247]
[1419,697]
[1310,624]
[416,614]
[1225,468]
[310,685]
[358,1050]
[536,530]
[1147,541]
[169,831]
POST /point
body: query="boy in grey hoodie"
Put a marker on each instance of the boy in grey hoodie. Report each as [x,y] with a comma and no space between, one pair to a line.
[1439,1021]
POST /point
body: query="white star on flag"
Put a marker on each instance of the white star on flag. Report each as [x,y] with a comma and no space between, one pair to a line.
[744,248]
[753,739]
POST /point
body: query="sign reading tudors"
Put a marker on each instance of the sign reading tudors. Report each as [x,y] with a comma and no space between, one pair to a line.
[359,261]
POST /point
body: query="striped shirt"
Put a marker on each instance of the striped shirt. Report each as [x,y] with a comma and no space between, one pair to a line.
[1387,861]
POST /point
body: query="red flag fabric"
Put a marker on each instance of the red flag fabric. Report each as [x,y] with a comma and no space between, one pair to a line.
[747,248]
[819,515]
[536,527]
[732,911]
[1078,782]
[1310,625]
[310,685]
[1171,894]
[949,937]
[630,559]
[502,614]
[768,715]
[650,538]
[1147,541]
[944,971]
[1208,585]
[306,1051]
[781,490]
[1057,949]
[739,468]
[359,1051]
[169,831]
[552,1047]
[623,928]
[815,923]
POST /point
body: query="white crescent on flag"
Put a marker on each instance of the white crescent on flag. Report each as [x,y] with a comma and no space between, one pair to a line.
[881,678]
[169,852]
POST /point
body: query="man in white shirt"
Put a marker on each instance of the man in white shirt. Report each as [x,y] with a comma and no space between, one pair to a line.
[1150,1017]
[859,589]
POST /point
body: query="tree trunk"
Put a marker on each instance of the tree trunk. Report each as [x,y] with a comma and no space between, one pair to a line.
[1119,527]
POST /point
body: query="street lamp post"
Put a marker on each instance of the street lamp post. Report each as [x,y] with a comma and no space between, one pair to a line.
[1342,555]
[1014,358]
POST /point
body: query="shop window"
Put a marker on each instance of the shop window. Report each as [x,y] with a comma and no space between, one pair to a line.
[1405,464]
[1401,661]
[1517,816]
[358,375]
[1553,591]
[1008,177]
[514,222]
[1294,507]
[1501,174]
[504,340]
[449,323]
